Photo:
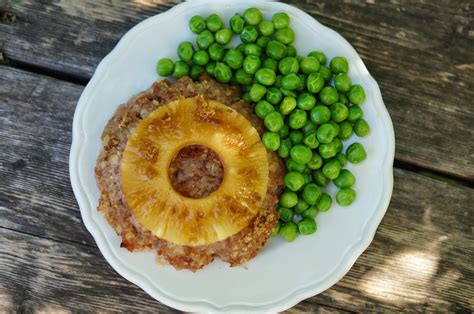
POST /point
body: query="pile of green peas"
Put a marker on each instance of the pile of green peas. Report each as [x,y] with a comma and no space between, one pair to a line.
[308,106]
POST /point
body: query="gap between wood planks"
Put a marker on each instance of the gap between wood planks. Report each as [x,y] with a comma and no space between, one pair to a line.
[83,80]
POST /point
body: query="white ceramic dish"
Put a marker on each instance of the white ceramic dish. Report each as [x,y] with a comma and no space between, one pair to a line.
[282,274]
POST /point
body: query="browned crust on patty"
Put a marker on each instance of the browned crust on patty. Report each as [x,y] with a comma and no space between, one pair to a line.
[236,249]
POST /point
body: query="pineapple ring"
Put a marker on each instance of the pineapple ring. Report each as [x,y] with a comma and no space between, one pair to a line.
[147,189]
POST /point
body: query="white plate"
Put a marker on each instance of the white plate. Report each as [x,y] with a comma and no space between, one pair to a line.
[282,274]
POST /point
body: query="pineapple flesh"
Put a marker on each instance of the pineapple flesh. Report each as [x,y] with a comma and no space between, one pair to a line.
[182,220]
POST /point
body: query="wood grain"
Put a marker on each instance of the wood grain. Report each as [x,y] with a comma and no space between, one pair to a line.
[420,259]
[418,51]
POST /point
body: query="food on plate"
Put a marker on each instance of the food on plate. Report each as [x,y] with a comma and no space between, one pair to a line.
[165,174]
[241,147]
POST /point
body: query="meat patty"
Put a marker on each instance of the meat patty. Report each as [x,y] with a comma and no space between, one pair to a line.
[236,249]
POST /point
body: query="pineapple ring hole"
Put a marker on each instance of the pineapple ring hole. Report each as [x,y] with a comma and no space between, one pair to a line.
[196,171]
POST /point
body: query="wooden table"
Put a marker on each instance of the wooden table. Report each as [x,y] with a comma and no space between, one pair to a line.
[421,54]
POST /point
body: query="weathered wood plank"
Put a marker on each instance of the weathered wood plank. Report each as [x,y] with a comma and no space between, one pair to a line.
[426,234]
[419,261]
[419,52]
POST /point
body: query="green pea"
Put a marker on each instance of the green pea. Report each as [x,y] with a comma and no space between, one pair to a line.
[287,105]
[288,65]
[216,52]
[310,212]
[256,92]
[342,82]
[270,63]
[196,71]
[285,131]
[339,112]
[289,231]
[325,73]
[311,140]
[274,121]
[222,72]
[288,93]
[252,50]
[281,20]
[246,97]
[302,83]
[311,193]
[165,67]
[286,214]
[343,99]
[234,59]
[274,95]
[263,41]
[307,226]
[291,52]
[276,229]
[296,137]
[293,181]
[314,82]
[336,126]
[361,128]
[301,154]
[288,199]
[292,165]
[298,119]
[324,203]
[332,169]
[265,77]
[223,36]
[319,178]
[356,94]
[318,55]
[284,149]
[251,64]
[266,28]
[339,65]
[355,113]
[337,144]
[205,39]
[276,50]
[307,176]
[263,108]
[345,179]
[181,69]
[210,67]
[328,95]
[252,16]
[316,162]
[301,206]
[320,114]
[197,24]
[214,23]
[306,101]
[310,126]
[290,81]
[345,197]
[243,78]
[271,140]
[249,34]
[342,159]
[328,150]
[201,57]
[346,130]
[285,35]
[355,153]
[326,133]
[309,65]
[237,24]
[185,51]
